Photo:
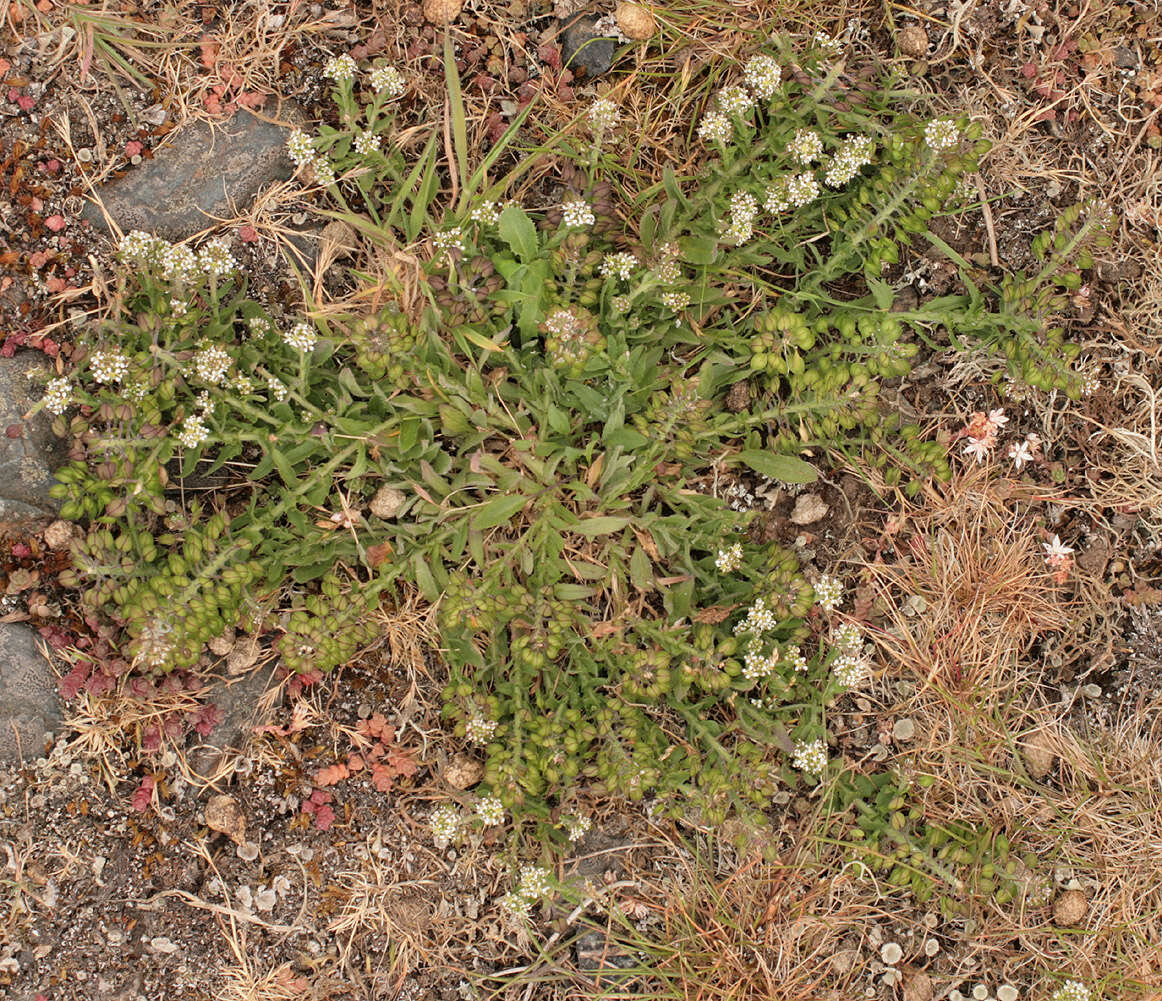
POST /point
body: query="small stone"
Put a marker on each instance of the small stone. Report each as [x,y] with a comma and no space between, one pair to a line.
[29,706]
[242,654]
[1125,58]
[903,730]
[224,815]
[387,502]
[635,21]
[463,771]
[60,534]
[201,174]
[247,851]
[222,644]
[809,508]
[738,397]
[1091,691]
[1039,754]
[244,706]
[28,460]
[912,42]
[585,50]
[162,944]
[1069,909]
[440,12]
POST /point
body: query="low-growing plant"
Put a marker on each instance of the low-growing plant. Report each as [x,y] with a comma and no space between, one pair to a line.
[532,429]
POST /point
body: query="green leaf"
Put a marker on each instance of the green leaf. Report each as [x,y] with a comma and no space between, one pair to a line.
[779,467]
[456,103]
[601,525]
[497,511]
[424,579]
[640,570]
[699,250]
[518,231]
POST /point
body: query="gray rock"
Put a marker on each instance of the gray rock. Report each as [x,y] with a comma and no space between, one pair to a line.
[27,461]
[29,706]
[240,701]
[596,954]
[204,172]
[587,53]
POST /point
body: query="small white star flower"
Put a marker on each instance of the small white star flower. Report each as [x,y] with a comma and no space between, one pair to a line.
[941,134]
[302,336]
[1056,552]
[810,756]
[108,366]
[729,559]
[58,394]
[490,810]
[366,142]
[387,80]
[1020,453]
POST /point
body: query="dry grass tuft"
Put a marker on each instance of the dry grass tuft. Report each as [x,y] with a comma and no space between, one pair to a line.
[970,592]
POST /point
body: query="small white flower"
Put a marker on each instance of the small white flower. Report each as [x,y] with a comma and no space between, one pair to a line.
[448,240]
[802,189]
[978,448]
[677,301]
[620,265]
[829,593]
[763,75]
[340,69]
[486,213]
[1072,990]
[831,47]
[810,756]
[179,263]
[58,394]
[517,905]
[668,271]
[603,115]
[851,669]
[178,307]
[1020,453]
[490,810]
[715,127]
[729,559]
[300,148]
[578,827]
[794,656]
[277,388]
[212,365]
[997,417]
[480,730]
[576,212]
[387,80]
[324,174]
[302,336]
[366,142]
[941,134]
[445,822]
[806,146]
[734,101]
[108,366]
[215,258]
[1056,552]
[535,881]
[194,431]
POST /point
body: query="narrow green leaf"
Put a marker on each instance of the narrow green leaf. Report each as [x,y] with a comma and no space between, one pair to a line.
[497,511]
[779,467]
[517,230]
[601,525]
[456,102]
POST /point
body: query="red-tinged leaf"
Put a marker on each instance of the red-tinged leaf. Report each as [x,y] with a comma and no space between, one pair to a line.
[1028,71]
[99,683]
[5,66]
[21,550]
[71,684]
[324,817]
[133,148]
[55,284]
[144,794]
[209,52]
[355,762]
[51,166]
[247,233]
[251,99]
[26,102]
[376,728]
[39,259]
[55,223]
[332,774]
[402,763]
[208,717]
[382,777]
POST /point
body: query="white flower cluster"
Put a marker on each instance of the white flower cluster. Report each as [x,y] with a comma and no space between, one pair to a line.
[829,593]
[603,115]
[794,656]
[58,394]
[743,209]
[215,259]
[1072,990]
[300,148]
[677,301]
[810,756]
[340,68]
[387,80]
[194,431]
[490,810]
[576,212]
[830,46]
[259,326]
[212,365]
[667,271]
[620,265]
[734,101]
[178,263]
[730,559]
[758,619]
[302,336]
[445,823]
[449,240]
[756,663]
[486,213]
[853,153]
[536,883]
[763,76]
[850,667]
[108,366]
[480,730]
[715,127]
[941,134]
[791,191]
[806,147]
[578,827]
[366,142]
[277,388]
